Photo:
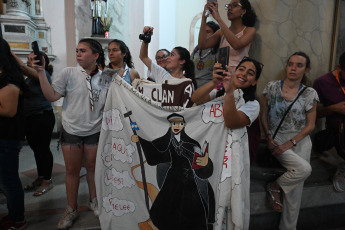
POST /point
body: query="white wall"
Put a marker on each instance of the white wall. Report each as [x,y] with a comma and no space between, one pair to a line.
[53,12]
[136,24]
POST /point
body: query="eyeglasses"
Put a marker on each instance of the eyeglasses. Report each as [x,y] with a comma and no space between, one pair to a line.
[158,58]
[232,5]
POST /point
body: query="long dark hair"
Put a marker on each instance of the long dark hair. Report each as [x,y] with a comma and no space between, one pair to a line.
[47,66]
[96,47]
[305,80]
[11,71]
[214,26]
[249,93]
[188,66]
[249,18]
[124,49]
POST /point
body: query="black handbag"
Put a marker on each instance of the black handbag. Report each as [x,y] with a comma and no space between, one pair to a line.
[325,139]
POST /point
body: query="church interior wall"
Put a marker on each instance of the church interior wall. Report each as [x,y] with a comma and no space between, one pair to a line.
[283,27]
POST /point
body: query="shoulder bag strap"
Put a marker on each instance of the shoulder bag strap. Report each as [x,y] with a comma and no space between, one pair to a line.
[287,110]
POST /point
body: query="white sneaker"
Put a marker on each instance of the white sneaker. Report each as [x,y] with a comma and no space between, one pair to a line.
[93,205]
[339,178]
[68,217]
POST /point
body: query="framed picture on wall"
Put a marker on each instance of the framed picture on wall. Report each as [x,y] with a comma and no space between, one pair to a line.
[338,44]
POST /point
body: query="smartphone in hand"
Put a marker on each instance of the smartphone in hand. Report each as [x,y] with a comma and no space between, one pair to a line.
[34,47]
[223,57]
[208,12]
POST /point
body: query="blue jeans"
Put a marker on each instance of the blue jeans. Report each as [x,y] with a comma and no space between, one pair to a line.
[10,183]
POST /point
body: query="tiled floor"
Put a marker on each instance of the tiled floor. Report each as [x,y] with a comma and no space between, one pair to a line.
[44,212]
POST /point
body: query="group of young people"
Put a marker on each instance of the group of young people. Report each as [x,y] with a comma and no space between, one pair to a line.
[287,132]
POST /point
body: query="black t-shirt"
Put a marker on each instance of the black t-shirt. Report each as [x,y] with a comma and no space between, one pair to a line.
[13,127]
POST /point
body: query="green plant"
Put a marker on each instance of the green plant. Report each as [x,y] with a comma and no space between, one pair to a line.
[106,23]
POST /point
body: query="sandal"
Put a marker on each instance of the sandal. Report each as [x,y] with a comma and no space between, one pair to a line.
[45,187]
[34,184]
[274,203]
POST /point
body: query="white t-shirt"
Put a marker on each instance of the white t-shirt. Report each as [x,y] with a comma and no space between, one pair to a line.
[251,108]
[159,74]
[77,117]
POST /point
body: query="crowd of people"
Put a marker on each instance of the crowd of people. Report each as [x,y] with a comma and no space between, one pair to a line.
[288,110]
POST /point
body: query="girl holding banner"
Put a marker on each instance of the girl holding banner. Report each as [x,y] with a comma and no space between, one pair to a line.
[234,207]
[178,63]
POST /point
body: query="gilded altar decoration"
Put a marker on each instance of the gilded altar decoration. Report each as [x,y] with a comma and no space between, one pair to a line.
[99,16]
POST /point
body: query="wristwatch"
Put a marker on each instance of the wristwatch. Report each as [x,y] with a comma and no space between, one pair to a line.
[294,142]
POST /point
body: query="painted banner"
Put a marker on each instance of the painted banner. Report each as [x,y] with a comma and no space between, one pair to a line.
[166,169]
[171,94]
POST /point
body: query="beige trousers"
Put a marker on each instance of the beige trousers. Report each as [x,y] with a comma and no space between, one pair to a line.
[296,161]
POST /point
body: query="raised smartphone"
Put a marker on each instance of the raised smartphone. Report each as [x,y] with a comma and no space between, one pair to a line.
[34,47]
[223,57]
[208,12]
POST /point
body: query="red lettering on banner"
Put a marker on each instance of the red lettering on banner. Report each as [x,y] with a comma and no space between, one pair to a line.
[108,178]
[108,158]
[118,180]
[216,110]
[109,120]
[121,206]
[120,149]
[226,158]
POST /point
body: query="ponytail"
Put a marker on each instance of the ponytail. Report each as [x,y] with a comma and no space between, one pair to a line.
[188,66]
[189,71]
[249,18]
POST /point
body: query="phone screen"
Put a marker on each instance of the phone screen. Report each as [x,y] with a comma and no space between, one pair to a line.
[34,47]
[223,56]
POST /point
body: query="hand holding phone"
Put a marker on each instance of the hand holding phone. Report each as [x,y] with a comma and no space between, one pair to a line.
[38,57]
[223,57]
[208,12]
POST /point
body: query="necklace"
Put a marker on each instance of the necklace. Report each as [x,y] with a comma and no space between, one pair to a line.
[205,55]
[201,63]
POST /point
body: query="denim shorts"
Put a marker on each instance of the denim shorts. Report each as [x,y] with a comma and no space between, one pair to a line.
[70,139]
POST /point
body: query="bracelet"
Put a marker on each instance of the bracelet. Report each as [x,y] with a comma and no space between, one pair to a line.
[294,142]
